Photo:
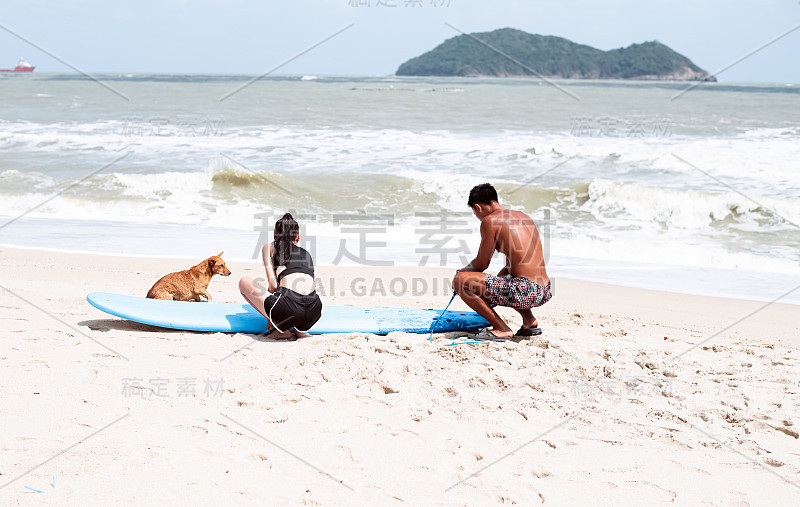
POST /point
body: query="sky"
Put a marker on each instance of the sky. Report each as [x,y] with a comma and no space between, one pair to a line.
[253,36]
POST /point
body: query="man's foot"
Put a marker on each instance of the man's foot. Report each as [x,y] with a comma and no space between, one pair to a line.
[528,331]
[528,320]
[490,334]
[299,334]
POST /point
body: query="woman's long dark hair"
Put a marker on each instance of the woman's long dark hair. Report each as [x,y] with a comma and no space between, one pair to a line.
[286,230]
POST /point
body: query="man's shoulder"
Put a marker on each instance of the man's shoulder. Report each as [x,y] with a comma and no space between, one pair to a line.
[508,217]
[495,219]
[518,214]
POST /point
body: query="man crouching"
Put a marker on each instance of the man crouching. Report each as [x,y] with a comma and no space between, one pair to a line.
[522,284]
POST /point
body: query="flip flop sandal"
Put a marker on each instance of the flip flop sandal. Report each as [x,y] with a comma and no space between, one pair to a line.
[485,334]
[528,331]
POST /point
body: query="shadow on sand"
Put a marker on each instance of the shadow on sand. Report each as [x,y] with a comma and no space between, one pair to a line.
[104,325]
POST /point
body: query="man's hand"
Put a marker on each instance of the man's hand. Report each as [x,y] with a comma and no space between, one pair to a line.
[468,268]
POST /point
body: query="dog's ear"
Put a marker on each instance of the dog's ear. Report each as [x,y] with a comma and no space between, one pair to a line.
[211,263]
[220,254]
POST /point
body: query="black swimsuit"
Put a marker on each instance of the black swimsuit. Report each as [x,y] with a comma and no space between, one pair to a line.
[288,309]
[299,261]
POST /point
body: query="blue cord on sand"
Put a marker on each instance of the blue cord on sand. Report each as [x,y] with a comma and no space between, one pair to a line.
[485,342]
[433,324]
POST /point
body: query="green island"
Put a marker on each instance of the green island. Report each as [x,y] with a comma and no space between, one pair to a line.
[526,54]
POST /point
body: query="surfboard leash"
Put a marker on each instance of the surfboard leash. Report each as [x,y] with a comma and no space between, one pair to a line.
[433,324]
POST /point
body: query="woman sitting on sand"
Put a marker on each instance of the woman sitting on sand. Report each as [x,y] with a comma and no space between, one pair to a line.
[292,305]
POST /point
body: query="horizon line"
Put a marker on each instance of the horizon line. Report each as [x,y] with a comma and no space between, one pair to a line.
[304,74]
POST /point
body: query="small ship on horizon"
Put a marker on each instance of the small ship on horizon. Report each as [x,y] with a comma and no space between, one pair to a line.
[22,66]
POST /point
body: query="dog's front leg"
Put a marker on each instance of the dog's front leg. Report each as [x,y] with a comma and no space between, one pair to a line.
[205,294]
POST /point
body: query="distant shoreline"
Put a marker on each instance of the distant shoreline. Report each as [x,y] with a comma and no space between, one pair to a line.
[123,76]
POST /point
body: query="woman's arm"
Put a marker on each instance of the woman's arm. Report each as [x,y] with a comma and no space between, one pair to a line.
[266,254]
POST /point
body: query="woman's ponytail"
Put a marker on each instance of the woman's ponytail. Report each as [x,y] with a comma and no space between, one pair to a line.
[286,230]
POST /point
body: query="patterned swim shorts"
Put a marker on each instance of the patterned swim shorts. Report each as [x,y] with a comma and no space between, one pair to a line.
[519,292]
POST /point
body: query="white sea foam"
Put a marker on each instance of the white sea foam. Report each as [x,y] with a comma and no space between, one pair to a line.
[760,160]
[686,209]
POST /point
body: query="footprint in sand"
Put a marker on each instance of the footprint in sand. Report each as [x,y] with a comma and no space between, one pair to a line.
[418,415]
[389,390]
[735,499]
[787,431]
[653,492]
[506,499]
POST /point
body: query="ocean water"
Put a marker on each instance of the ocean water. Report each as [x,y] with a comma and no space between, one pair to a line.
[630,182]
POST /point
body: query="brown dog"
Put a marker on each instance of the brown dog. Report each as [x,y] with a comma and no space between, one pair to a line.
[190,284]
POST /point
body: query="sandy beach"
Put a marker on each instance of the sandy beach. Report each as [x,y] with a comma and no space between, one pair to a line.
[647,157]
[630,396]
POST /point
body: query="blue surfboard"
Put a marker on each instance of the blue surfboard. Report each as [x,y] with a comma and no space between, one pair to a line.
[243,318]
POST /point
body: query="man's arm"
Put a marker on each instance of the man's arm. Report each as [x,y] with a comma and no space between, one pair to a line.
[485,250]
[506,269]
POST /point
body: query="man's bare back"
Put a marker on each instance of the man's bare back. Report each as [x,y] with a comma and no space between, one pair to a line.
[515,235]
